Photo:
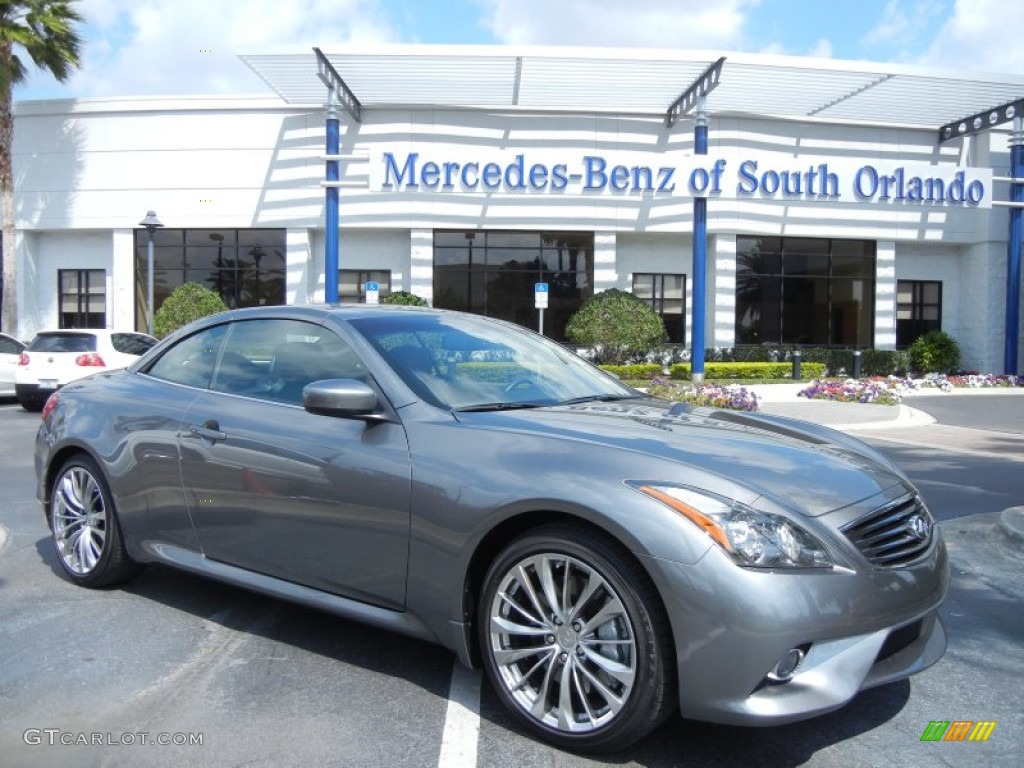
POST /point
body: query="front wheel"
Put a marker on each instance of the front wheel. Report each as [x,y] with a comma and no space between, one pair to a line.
[575,641]
[84,525]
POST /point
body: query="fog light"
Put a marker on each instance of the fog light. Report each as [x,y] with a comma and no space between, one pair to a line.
[787,666]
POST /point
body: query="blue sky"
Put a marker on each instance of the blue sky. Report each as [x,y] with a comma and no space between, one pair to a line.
[186,47]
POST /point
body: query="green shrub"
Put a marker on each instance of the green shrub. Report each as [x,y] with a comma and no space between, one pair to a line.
[186,303]
[617,325]
[874,362]
[404,297]
[720,371]
[885,362]
[635,370]
[492,373]
[935,352]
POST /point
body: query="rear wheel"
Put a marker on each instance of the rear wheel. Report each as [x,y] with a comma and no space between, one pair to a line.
[575,641]
[84,525]
[31,404]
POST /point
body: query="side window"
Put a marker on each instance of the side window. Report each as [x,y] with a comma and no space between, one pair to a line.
[191,360]
[9,346]
[131,343]
[275,359]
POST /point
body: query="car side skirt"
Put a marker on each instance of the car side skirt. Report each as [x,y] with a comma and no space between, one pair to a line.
[395,621]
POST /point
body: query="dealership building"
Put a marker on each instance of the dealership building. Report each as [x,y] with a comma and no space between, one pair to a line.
[830,208]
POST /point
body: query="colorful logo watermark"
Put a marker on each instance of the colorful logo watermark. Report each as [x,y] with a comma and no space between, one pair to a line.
[958,730]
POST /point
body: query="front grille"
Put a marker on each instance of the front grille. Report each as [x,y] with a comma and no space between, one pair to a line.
[893,535]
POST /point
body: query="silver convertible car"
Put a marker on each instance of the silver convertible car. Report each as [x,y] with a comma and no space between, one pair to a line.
[608,558]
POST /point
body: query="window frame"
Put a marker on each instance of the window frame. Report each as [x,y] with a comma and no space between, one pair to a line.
[657,300]
[917,306]
[84,279]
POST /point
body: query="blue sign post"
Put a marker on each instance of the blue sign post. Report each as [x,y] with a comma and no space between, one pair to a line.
[540,301]
[372,290]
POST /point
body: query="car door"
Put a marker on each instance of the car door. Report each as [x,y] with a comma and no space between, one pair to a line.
[312,499]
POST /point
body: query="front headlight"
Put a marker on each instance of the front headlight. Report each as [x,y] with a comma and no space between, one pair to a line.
[752,538]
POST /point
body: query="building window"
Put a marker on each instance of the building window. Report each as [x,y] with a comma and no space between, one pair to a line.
[667,296]
[352,284]
[805,291]
[918,309]
[494,274]
[244,266]
[83,298]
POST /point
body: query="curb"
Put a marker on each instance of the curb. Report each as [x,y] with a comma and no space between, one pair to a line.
[1011,523]
[906,417]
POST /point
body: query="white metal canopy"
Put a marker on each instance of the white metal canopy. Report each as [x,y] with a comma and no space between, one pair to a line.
[638,81]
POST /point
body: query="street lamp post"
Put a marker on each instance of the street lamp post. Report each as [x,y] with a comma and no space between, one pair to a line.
[152,224]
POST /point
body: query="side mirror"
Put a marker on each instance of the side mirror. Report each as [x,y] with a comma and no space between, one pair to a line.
[342,398]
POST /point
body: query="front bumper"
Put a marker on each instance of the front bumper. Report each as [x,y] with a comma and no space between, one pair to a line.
[858,629]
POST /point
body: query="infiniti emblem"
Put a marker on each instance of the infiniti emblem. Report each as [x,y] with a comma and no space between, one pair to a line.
[918,527]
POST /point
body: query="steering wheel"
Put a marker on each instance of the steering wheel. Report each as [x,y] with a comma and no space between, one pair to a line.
[523,382]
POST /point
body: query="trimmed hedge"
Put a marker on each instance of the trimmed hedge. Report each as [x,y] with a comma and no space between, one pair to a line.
[874,362]
[492,373]
[719,371]
[635,370]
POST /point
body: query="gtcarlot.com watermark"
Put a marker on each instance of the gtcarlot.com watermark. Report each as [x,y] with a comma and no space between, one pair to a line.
[57,737]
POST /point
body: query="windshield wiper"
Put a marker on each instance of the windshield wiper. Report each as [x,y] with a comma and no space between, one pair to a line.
[601,398]
[502,406]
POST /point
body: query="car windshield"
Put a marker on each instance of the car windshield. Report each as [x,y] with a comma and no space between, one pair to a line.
[63,342]
[463,362]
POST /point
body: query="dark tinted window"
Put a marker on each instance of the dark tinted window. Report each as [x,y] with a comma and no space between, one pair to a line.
[805,291]
[9,346]
[132,343]
[63,342]
[494,273]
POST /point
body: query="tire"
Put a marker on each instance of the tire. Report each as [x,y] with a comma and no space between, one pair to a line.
[579,685]
[30,404]
[84,526]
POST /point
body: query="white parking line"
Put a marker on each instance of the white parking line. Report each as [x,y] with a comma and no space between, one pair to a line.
[462,721]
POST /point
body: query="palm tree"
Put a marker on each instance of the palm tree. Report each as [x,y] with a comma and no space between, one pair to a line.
[43,31]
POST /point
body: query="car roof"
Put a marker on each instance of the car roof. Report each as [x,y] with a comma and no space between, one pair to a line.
[318,313]
[106,332]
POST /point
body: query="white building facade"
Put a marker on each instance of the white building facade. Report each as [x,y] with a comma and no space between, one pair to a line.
[821,232]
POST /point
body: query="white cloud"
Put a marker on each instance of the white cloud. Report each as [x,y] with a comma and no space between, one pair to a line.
[821,49]
[896,24]
[980,35]
[191,46]
[626,23]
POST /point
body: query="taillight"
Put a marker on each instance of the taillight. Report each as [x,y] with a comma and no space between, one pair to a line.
[51,403]
[90,359]
[23,358]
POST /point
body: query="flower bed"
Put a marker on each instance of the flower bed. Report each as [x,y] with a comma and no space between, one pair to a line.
[713,395]
[878,391]
[970,381]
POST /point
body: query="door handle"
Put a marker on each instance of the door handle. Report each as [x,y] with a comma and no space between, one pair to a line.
[209,431]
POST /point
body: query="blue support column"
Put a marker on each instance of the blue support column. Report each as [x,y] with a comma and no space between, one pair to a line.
[331,210]
[1013,250]
[700,248]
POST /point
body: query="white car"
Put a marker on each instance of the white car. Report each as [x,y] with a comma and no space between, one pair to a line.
[54,358]
[10,351]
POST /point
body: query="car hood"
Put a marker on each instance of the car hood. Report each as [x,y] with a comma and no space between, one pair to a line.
[798,464]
